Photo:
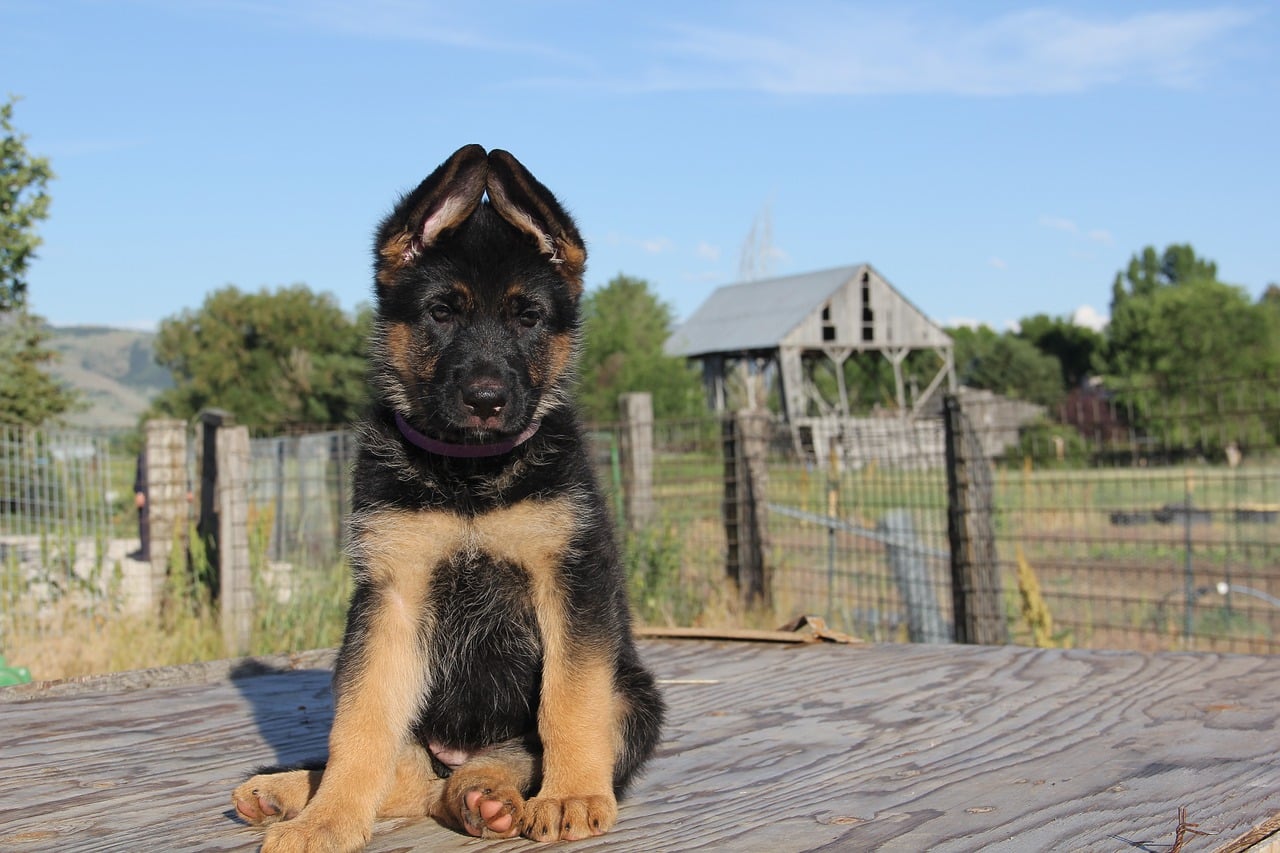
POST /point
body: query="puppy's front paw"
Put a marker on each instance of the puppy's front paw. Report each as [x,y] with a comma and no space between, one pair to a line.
[269,797]
[308,834]
[569,818]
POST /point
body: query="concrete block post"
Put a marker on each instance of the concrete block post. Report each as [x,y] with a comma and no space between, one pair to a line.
[235,579]
[165,483]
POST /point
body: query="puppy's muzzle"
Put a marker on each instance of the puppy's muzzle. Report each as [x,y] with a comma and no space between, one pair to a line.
[484,399]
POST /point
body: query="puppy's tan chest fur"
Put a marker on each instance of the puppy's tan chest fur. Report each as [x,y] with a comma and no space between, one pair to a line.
[399,549]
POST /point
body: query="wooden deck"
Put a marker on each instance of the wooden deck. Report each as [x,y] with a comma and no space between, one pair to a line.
[770,747]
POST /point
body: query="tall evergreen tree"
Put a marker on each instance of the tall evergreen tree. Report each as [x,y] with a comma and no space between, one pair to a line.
[24,203]
[28,394]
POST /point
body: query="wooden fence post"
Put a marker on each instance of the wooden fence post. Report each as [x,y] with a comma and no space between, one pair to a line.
[637,457]
[745,436]
[235,581]
[211,423]
[975,573]
[165,482]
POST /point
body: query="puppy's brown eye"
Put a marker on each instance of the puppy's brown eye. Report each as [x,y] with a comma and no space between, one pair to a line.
[441,313]
[529,319]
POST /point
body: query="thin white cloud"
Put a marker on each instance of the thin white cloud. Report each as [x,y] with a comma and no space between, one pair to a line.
[656,245]
[651,245]
[1069,226]
[426,21]
[707,252]
[997,263]
[1058,223]
[1090,318]
[834,49]
[808,47]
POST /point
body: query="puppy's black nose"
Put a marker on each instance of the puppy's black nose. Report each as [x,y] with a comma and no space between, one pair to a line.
[484,398]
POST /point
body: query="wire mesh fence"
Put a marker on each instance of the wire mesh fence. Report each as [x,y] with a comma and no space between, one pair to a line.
[1124,521]
[1150,520]
[1118,520]
[854,541]
[57,525]
[299,496]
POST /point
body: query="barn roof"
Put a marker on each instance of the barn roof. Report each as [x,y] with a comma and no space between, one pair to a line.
[760,315]
[755,315]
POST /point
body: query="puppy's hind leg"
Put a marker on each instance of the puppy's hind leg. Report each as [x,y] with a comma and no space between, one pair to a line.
[281,793]
[417,789]
[277,793]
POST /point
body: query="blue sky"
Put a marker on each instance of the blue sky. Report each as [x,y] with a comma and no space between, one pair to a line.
[992,160]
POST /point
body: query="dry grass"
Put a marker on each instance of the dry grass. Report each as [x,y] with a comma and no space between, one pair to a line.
[69,643]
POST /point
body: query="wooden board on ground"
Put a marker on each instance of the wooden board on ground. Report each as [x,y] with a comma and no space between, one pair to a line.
[770,747]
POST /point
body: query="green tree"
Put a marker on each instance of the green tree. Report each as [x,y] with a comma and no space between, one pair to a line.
[1200,332]
[275,359]
[1006,364]
[1174,325]
[1077,348]
[1184,350]
[625,326]
[24,202]
[28,394]
[1133,303]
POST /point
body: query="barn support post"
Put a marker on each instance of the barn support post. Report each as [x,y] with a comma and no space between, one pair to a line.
[745,436]
[713,367]
[637,458]
[977,600]
[896,356]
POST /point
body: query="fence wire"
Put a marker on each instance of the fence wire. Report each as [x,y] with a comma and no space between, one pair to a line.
[1117,522]
[57,548]
[1120,519]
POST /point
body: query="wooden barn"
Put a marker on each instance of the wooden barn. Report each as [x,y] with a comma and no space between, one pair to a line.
[788,324]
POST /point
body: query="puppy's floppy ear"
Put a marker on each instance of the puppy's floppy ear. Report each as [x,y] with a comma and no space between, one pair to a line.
[518,197]
[441,202]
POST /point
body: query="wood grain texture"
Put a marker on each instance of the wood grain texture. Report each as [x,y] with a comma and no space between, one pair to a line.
[770,747]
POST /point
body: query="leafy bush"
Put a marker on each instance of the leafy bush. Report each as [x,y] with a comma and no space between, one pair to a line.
[1049,445]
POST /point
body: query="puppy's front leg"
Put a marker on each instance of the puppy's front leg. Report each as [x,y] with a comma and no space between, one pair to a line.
[380,680]
[578,722]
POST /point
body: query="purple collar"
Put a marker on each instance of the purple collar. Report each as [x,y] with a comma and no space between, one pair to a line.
[464,451]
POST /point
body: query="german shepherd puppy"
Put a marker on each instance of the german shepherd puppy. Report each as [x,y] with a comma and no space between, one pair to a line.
[487,676]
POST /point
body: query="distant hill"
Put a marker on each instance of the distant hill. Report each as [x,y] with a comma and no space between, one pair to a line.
[113,369]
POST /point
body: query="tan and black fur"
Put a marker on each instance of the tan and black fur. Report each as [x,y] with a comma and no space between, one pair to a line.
[487,676]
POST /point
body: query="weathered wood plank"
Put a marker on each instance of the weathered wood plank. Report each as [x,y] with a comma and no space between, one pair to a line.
[771,747]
